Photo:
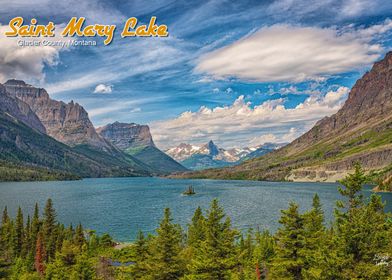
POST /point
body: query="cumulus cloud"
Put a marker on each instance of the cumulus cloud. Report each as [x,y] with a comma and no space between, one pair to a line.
[28,62]
[102,88]
[294,54]
[24,62]
[242,124]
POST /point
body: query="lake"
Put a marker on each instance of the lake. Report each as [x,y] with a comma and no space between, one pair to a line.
[123,206]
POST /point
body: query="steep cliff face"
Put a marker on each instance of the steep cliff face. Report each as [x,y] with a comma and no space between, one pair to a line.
[30,124]
[361,131]
[136,140]
[67,123]
[19,110]
[369,101]
[127,135]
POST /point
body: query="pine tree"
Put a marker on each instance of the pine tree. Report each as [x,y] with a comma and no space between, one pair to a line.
[314,243]
[165,262]
[246,259]
[290,240]
[56,270]
[79,239]
[27,238]
[5,218]
[19,234]
[141,255]
[360,231]
[83,269]
[196,230]
[49,227]
[5,235]
[35,227]
[352,187]
[39,255]
[215,257]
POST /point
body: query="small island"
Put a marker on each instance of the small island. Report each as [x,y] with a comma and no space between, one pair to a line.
[189,191]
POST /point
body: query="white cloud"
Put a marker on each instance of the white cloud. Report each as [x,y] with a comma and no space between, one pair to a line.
[260,140]
[26,63]
[241,124]
[116,63]
[294,54]
[95,11]
[102,88]
[229,90]
[136,110]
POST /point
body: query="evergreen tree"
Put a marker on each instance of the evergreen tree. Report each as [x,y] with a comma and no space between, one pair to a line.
[352,186]
[57,270]
[83,269]
[106,240]
[5,218]
[264,252]
[35,228]
[289,260]
[39,255]
[246,258]
[141,255]
[215,257]
[49,227]
[19,233]
[79,239]
[314,231]
[196,230]
[165,262]
[5,234]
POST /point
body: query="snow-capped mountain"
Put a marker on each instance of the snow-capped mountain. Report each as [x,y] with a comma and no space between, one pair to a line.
[209,155]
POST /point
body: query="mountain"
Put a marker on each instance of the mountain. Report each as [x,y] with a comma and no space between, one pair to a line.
[26,152]
[361,131]
[209,155]
[67,123]
[262,150]
[19,110]
[136,140]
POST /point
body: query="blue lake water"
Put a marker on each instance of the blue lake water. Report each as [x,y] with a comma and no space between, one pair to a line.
[123,206]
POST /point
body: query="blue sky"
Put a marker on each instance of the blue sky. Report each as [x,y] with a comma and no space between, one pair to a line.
[241,73]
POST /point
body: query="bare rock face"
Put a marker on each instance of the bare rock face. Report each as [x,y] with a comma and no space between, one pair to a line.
[19,110]
[369,101]
[127,135]
[67,123]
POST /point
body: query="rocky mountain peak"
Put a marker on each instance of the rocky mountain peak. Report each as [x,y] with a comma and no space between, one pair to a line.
[67,123]
[213,149]
[13,82]
[127,135]
[19,110]
[370,100]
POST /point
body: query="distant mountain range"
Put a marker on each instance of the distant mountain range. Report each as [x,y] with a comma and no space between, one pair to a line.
[361,131]
[48,139]
[209,155]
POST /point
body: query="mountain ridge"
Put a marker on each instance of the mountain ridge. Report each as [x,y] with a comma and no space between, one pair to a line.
[209,155]
[361,131]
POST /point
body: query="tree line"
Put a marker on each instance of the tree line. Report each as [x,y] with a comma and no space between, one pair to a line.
[356,245]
